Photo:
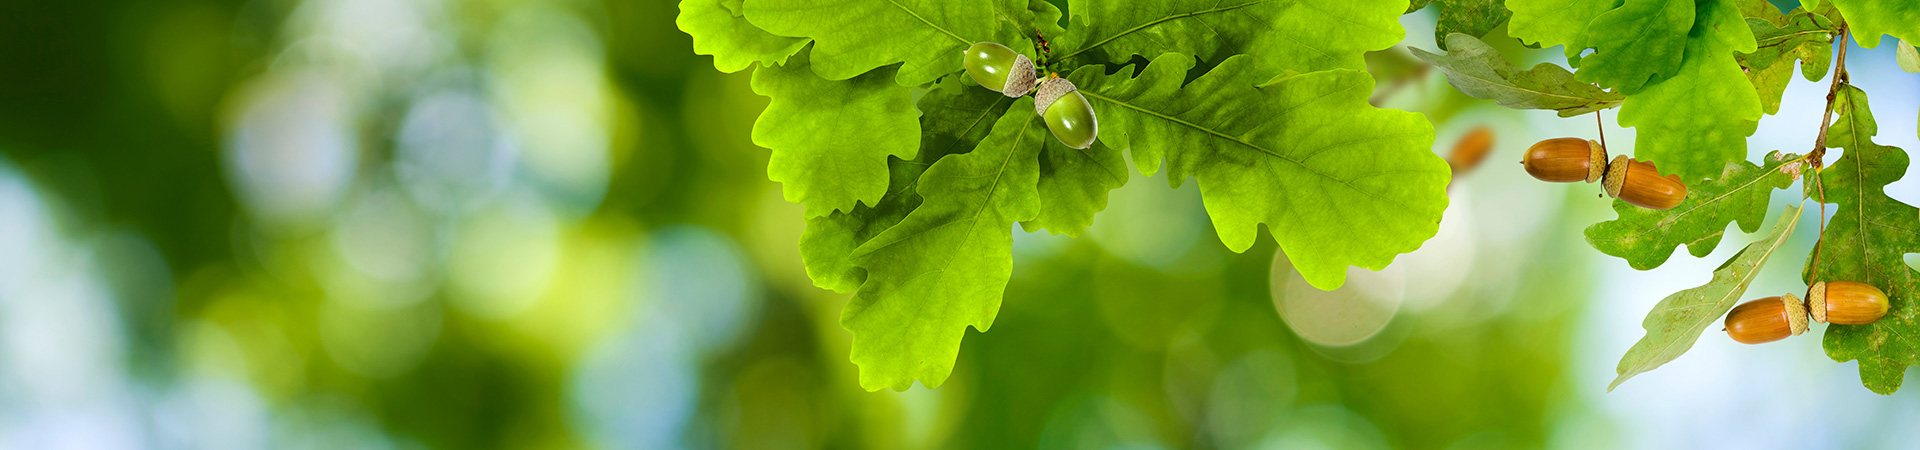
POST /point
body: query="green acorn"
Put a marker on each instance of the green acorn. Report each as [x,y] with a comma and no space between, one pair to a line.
[1068,114]
[999,68]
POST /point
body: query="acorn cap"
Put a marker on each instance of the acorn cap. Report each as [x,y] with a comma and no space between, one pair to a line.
[1050,89]
[1817,301]
[1597,162]
[1021,80]
[1796,313]
[1616,175]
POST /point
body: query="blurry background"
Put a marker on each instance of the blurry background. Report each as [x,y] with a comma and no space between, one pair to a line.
[541,224]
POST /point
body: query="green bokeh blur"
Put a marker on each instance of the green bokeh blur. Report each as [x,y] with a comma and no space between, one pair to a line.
[542,224]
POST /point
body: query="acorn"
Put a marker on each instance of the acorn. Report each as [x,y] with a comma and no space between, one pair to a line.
[1846,302]
[1470,150]
[1767,320]
[1566,160]
[1639,182]
[1067,113]
[999,68]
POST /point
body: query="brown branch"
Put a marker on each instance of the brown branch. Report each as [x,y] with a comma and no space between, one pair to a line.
[1820,145]
[1833,92]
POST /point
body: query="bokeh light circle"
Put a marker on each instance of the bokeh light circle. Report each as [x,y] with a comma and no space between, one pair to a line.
[291,150]
[1347,316]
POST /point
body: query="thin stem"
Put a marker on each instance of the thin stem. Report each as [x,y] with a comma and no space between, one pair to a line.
[1822,188]
[1820,144]
[1601,125]
[1833,93]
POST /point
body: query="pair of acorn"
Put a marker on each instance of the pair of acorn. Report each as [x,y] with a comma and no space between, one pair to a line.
[1067,113]
[1566,160]
[1775,318]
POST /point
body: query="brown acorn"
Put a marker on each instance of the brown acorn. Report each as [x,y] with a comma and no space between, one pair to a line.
[1566,160]
[1639,182]
[1470,150]
[1846,302]
[1767,320]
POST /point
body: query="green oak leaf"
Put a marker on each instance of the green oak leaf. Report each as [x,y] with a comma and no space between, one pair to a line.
[1776,35]
[826,247]
[1272,152]
[1638,44]
[831,139]
[724,33]
[1041,14]
[944,267]
[1908,57]
[1697,120]
[1547,23]
[1783,39]
[1646,237]
[1757,9]
[1677,321]
[852,37]
[954,119]
[1868,19]
[1416,5]
[1480,71]
[1073,186]
[1470,17]
[1279,35]
[1865,242]
[1721,20]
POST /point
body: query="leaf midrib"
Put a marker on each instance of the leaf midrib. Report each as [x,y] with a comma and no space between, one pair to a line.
[1670,220]
[1513,86]
[973,219]
[916,15]
[1251,145]
[1782,39]
[1151,23]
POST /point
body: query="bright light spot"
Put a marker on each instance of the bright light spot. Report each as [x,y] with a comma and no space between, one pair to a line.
[397,36]
[211,412]
[504,257]
[702,284]
[452,155]
[1342,317]
[549,78]
[387,247]
[292,152]
[637,389]
[62,350]
[1442,264]
[26,240]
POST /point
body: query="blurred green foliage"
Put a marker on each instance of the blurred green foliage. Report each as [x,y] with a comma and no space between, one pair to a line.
[123,115]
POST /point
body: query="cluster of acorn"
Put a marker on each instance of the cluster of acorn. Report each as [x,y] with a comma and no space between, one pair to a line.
[1566,160]
[1068,114]
[1775,318]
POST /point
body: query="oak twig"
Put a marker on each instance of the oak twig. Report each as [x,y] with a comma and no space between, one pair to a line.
[1833,92]
[1820,144]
